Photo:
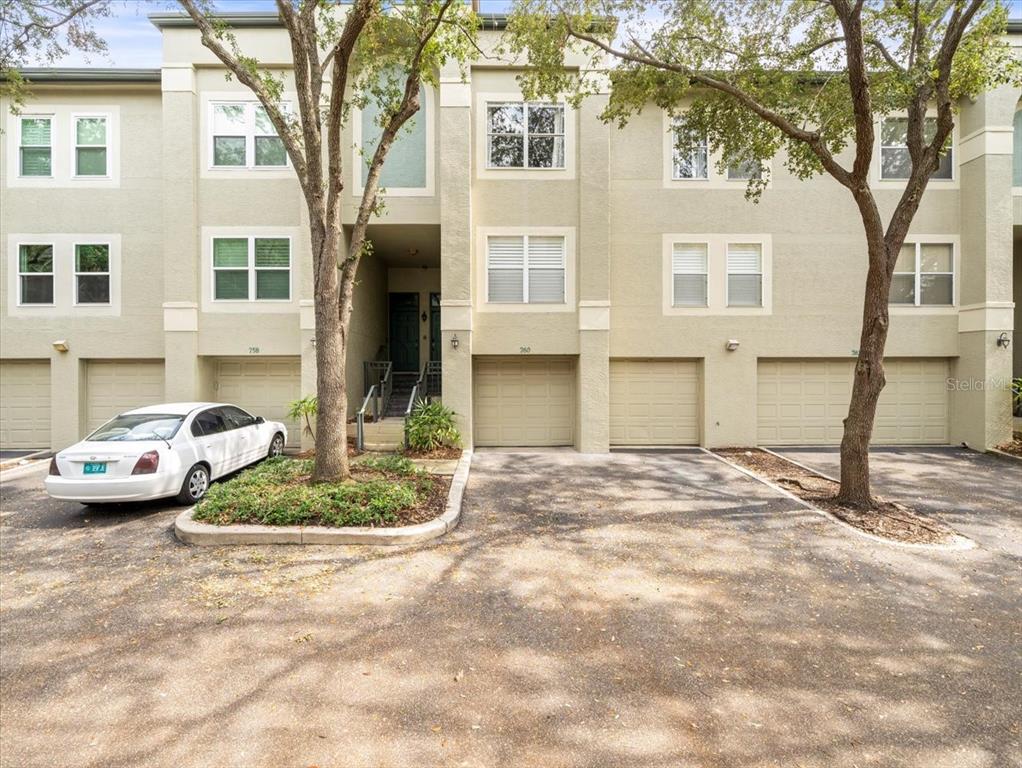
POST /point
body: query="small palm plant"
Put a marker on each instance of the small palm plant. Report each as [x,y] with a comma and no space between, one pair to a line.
[1016,396]
[304,409]
[431,427]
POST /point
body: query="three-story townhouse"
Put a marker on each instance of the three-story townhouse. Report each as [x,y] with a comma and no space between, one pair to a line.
[563,282]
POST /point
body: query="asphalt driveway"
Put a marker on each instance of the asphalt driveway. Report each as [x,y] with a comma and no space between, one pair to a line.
[631,610]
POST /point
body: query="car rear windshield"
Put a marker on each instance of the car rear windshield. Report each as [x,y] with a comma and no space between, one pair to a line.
[139,426]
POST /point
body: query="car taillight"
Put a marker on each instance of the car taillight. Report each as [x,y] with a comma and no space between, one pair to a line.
[54,469]
[147,463]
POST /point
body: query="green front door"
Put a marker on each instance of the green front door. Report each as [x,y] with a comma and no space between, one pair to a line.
[404,331]
[434,326]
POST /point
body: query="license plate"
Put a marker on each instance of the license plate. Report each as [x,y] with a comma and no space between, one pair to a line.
[95,468]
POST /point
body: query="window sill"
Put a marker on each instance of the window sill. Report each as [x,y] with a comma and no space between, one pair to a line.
[512,309]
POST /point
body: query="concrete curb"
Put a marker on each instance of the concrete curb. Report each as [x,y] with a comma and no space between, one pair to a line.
[1005,454]
[24,470]
[959,543]
[203,534]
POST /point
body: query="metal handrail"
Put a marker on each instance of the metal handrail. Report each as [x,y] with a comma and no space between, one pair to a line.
[379,373]
[430,380]
[412,398]
[372,402]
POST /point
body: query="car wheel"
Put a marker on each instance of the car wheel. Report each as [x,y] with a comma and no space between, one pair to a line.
[276,446]
[195,485]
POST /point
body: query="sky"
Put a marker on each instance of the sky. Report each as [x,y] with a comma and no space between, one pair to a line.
[134,42]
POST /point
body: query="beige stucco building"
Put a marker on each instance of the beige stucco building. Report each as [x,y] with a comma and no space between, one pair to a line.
[579,284]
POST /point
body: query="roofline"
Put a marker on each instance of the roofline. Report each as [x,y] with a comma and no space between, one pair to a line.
[236,19]
[1015,26]
[89,75]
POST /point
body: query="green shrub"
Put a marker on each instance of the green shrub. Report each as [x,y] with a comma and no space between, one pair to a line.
[431,426]
[277,492]
[304,410]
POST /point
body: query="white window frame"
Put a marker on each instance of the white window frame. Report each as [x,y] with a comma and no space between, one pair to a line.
[52,273]
[918,242]
[481,127]
[249,136]
[525,271]
[715,177]
[482,278]
[674,159]
[526,106]
[75,146]
[49,117]
[109,274]
[717,245]
[728,273]
[879,147]
[251,268]
[705,274]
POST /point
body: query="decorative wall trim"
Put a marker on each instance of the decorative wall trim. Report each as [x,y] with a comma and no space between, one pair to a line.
[988,140]
[181,316]
[991,316]
[178,78]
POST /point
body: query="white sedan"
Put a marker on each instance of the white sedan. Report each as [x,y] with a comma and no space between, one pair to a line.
[159,451]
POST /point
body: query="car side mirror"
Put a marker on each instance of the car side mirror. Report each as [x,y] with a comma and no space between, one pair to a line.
[260,420]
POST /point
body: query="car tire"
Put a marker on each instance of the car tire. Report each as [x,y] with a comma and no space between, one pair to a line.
[276,446]
[195,485]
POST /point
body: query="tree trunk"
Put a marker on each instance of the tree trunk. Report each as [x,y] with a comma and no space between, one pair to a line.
[331,463]
[867,384]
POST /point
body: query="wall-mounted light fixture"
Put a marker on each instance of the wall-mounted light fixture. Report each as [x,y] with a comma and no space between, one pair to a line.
[61,345]
[732,345]
[425,317]
[454,341]
[1004,340]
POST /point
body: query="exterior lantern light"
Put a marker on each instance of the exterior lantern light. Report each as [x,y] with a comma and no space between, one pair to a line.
[1004,340]
[732,345]
[454,341]
[61,345]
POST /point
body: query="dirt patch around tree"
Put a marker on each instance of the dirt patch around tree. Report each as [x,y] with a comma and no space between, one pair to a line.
[888,519]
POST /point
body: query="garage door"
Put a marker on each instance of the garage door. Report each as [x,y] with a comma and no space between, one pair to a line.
[803,402]
[115,386]
[524,401]
[654,402]
[24,404]
[263,386]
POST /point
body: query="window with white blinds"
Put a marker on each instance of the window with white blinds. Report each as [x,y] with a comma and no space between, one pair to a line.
[688,273]
[744,275]
[525,269]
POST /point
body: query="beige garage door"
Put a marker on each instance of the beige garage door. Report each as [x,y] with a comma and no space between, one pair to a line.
[24,404]
[262,386]
[524,401]
[803,402]
[115,386]
[654,402]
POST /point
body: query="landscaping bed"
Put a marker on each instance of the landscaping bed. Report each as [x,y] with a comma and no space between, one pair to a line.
[1014,447]
[383,492]
[888,519]
[444,452]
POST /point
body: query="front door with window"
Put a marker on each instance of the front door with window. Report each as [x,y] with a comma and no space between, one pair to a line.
[434,327]
[404,331]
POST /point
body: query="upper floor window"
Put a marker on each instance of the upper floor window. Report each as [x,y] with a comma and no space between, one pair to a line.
[244,137]
[895,162]
[90,146]
[694,164]
[924,274]
[744,275]
[524,135]
[35,274]
[36,151]
[744,170]
[251,268]
[688,274]
[525,269]
[92,273]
